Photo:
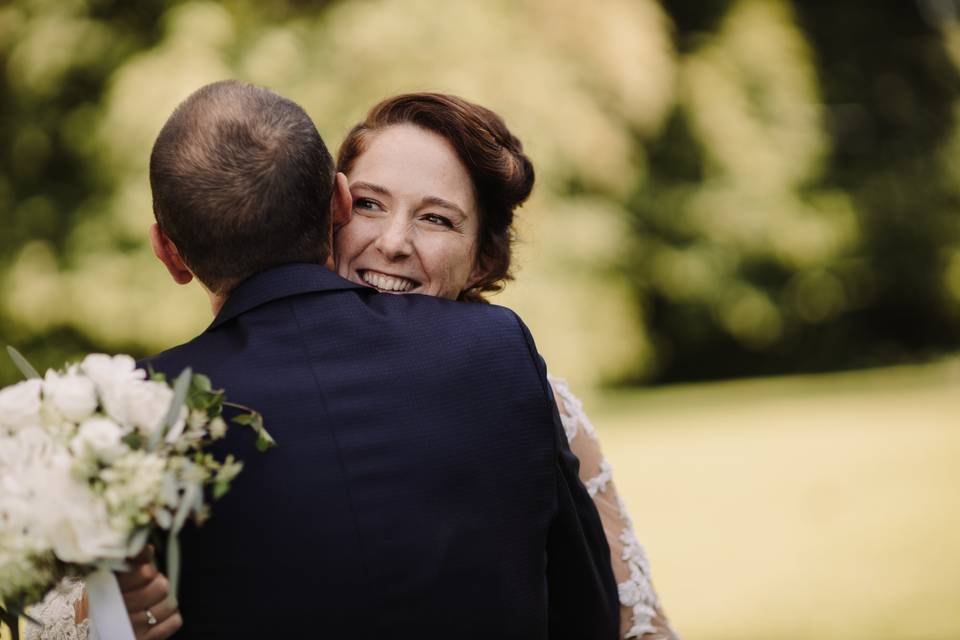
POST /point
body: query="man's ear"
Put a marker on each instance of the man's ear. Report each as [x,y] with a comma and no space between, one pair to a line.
[341,202]
[167,253]
[341,208]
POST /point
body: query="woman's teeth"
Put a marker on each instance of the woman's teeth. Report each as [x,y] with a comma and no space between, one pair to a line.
[387,283]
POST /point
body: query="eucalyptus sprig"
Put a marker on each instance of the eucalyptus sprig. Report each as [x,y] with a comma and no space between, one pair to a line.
[195,393]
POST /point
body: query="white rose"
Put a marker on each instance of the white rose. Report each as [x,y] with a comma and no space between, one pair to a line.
[36,447]
[83,531]
[20,405]
[31,447]
[113,376]
[147,405]
[24,459]
[9,454]
[38,484]
[15,511]
[74,396]
[67,515]
[99,437]
[106,371]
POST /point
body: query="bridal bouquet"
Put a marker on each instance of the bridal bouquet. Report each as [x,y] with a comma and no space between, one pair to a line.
[93,460]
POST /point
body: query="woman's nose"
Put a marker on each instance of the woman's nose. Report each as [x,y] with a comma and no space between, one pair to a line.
[394,240]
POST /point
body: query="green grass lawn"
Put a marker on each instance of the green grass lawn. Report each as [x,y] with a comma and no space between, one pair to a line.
[814,507]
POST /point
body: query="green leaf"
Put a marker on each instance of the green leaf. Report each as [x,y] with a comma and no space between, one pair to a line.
[187,501]
[180,388]
[25,367]
[133,440]
[202,383]
[215,408]
[245,419]
[202,395]
[137,541]
[173,563]
[173,544]
[255,421]
[264,440]
[220,489]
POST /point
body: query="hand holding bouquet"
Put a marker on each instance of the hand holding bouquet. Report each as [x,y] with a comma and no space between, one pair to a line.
[95,458]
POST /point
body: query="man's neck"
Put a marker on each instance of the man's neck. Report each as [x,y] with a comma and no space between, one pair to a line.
[217,301]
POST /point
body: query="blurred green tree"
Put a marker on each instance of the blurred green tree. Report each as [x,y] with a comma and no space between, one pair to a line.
[336,60]
[725,188]
[55,61]
[800,212]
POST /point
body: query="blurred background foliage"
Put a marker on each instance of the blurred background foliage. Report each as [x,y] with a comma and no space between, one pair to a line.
[726,188]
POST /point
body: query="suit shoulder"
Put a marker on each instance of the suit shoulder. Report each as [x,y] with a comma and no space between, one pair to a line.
[172,360]
[482,321]
[466,316]
[489,314]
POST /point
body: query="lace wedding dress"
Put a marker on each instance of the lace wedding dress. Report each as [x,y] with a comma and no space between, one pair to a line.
[58,613]
[640,613]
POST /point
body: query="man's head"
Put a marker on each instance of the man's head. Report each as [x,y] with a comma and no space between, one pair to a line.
[241,182]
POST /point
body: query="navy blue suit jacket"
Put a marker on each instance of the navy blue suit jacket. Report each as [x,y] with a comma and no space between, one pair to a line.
[422,487]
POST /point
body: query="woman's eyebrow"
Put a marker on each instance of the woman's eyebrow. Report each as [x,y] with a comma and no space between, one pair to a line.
[370,187]
[434,200]
[446,204]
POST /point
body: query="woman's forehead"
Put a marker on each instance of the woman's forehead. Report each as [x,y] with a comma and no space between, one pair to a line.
[409,160]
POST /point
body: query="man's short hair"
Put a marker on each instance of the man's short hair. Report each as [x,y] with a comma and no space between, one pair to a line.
[241,182]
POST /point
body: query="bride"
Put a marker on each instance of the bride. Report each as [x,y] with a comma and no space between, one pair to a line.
[435,181]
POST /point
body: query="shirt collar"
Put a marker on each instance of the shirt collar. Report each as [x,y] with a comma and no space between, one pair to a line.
[279,282]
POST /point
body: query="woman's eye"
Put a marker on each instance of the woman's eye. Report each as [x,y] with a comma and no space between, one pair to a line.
[366,204]
[442,221]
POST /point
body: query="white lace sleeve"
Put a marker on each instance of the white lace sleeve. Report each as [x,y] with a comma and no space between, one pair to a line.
[57,612]
[641,613]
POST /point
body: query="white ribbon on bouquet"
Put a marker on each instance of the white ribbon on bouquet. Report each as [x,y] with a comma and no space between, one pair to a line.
[108,614]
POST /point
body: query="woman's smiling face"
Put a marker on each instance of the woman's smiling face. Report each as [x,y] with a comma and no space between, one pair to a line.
[415,224]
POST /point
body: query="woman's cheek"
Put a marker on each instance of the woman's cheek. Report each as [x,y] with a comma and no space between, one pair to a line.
[353,237]
[451,266]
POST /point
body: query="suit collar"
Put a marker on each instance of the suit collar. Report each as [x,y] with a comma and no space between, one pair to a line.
[279,282]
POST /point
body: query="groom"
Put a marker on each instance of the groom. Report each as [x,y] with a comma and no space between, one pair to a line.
[422,486]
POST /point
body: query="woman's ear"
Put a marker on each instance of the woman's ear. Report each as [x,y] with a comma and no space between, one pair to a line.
[479,274]
[168,254]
